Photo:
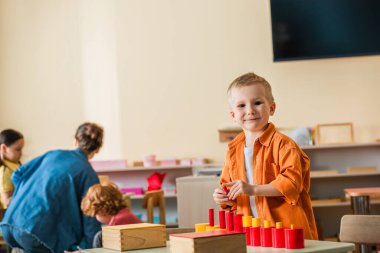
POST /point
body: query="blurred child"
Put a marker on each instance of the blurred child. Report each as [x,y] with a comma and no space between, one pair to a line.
[265,171]
[11,144]
[106,203]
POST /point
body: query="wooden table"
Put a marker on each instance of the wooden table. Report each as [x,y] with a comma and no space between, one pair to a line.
[311,246]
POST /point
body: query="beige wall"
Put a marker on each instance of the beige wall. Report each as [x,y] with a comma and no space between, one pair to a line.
[154,74]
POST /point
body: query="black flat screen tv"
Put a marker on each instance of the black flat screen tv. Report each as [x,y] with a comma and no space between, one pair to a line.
[314,29]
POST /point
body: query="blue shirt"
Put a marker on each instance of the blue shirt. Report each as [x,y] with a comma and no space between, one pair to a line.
[47,197]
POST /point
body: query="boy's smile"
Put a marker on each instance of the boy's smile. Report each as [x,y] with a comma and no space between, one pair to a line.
[250,108]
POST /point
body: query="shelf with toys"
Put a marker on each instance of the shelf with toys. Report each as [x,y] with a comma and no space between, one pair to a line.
[335,167]
[132,180]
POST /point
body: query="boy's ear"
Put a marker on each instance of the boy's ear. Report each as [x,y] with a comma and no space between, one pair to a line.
[232,115]
[272,108]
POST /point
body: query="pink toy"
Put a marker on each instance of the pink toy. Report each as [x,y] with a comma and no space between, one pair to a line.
[149,160]
[168,162]
[155,181]
[136,190]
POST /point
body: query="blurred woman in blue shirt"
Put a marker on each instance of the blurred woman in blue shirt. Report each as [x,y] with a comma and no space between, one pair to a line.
[45,214]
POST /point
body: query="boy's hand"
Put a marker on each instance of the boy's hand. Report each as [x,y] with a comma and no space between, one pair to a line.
[221,198]
[238,187]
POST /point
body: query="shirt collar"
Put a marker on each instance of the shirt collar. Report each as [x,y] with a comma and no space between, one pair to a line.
[265,138]
[11,165]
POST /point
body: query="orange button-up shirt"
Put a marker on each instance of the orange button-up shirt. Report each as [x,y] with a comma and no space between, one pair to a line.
[277,160]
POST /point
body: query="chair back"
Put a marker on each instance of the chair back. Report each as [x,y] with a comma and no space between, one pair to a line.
[154,199]
[362,229]
[127,200]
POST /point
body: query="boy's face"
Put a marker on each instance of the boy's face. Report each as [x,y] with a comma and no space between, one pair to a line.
[250,107]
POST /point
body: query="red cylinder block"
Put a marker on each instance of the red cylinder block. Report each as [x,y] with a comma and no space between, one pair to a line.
[255,235]
[247,235]
[294,238]
[230,221]
[266,237]
[222,219]
[211,217]
[238,223]
[278,237]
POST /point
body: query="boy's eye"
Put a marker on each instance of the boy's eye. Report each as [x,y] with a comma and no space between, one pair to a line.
[258,103]
[240,105]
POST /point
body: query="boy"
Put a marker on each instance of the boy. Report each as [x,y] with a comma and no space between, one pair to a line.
[266,173]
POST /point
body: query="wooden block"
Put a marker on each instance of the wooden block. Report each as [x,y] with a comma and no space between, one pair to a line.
[361,169]
[323,172]
[138,164]
[204,242]
[134,236]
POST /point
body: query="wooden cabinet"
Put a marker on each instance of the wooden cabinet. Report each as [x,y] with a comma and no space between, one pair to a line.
[328,188]
[195,198]
[135,177]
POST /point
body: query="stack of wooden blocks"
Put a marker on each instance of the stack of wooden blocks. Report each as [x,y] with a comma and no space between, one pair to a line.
[134,236]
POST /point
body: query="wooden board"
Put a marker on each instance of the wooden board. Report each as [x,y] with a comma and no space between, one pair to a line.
[372,192]
[205,242]
[134,236]
[326,201]
[361,169]
[323,172]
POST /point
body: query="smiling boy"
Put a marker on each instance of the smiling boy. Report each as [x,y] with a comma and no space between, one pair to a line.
[267,174]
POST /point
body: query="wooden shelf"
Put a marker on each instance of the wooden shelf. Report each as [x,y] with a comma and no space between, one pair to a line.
[333,203]
[166,195]
[349,145]
[339,175]
[152,168]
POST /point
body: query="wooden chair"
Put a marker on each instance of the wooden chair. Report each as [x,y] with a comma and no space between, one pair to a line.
[360,229]
[151,200]
[127,200]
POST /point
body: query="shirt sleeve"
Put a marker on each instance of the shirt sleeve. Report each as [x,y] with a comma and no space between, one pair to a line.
[290,179]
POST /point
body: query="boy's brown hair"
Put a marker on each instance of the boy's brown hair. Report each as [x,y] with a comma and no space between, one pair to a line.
[105,199]
[250,79]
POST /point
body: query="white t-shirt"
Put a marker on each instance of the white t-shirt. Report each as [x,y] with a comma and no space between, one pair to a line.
[248,153]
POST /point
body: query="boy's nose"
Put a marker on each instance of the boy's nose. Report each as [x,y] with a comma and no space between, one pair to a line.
[250,111]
